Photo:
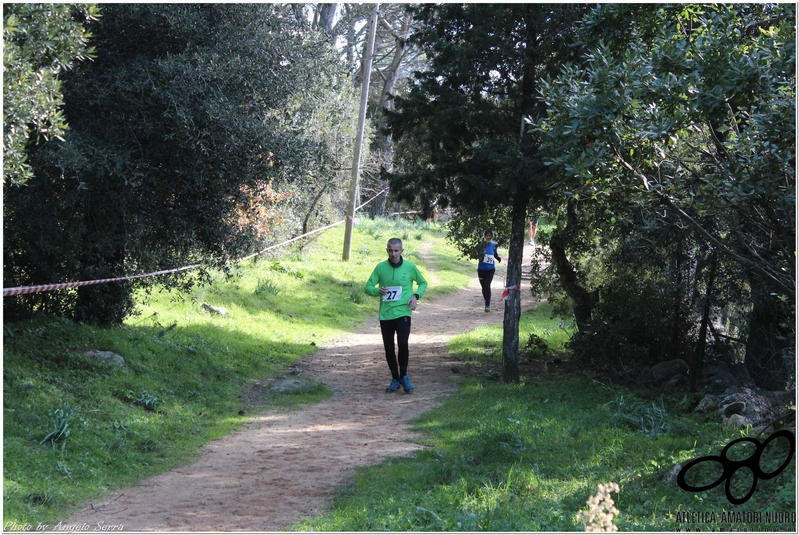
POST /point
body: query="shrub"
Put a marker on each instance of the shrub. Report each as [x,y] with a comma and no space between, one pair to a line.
[606,347]
[59,426]
[266,287]
[535,348]
[648,418]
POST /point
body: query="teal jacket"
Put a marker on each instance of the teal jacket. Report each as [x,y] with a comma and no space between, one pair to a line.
[399,279]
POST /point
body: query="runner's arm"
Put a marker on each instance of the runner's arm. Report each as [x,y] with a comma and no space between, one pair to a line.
[421,284]
[373,284]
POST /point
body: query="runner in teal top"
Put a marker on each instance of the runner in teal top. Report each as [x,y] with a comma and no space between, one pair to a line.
[393,280]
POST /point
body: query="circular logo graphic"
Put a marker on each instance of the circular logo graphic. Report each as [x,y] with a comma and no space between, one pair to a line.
[731,466]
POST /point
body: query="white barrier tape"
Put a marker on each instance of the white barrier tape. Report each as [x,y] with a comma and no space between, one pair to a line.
[262,251]
[22,290]
[370,200]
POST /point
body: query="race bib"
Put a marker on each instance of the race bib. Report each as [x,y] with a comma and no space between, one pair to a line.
[394,293]
[488,259]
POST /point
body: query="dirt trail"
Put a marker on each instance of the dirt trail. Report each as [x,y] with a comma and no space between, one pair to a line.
[280,468]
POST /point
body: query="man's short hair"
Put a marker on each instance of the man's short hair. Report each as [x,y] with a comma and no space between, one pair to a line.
[395,241]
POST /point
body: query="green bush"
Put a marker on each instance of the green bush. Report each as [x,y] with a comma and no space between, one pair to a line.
[648,418]
[266,287]
[535,348]
[604,347]
[632,325]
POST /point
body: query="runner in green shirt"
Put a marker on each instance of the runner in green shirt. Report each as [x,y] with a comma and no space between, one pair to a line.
[393,280]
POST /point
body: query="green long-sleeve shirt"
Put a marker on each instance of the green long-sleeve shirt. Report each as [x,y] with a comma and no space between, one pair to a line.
[399,279]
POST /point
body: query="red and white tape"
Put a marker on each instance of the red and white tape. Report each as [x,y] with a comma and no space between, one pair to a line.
[506,293]
[21,290]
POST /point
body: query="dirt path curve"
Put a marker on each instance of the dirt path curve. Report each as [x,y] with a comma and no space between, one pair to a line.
[280,468]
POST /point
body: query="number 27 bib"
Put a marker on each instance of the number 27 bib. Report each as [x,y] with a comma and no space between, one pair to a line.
[393,293]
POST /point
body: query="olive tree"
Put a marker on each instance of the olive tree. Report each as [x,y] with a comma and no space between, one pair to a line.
[186,113]
[690,109]
[40,42]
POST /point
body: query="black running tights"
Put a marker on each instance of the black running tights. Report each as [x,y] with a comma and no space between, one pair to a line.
[486,276]
[402,327]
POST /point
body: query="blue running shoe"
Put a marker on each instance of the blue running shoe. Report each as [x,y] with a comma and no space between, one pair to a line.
[394,386]
[406,384]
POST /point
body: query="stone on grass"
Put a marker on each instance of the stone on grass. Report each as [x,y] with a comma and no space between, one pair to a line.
[291,386]
[708,403]
[222,311]
[742,406]
[666,370]
[736,421]
[108,357]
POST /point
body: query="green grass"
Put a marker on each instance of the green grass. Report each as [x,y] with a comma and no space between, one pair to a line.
[527,457]
[483,346]
[75,429]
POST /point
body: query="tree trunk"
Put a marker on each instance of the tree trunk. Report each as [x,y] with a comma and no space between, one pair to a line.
[401,48]
[678,297]
[311,208]
[771,334]
[697,360]
[513,305]
[325,14]
[382,202]
[582,300]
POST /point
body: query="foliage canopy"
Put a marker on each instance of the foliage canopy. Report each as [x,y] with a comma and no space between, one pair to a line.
[679,132]
[187,115]
[40,41]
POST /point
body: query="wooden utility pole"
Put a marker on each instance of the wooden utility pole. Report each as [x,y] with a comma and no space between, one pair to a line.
[356,159]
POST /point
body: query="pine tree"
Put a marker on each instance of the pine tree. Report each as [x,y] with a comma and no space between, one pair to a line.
[462,124]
